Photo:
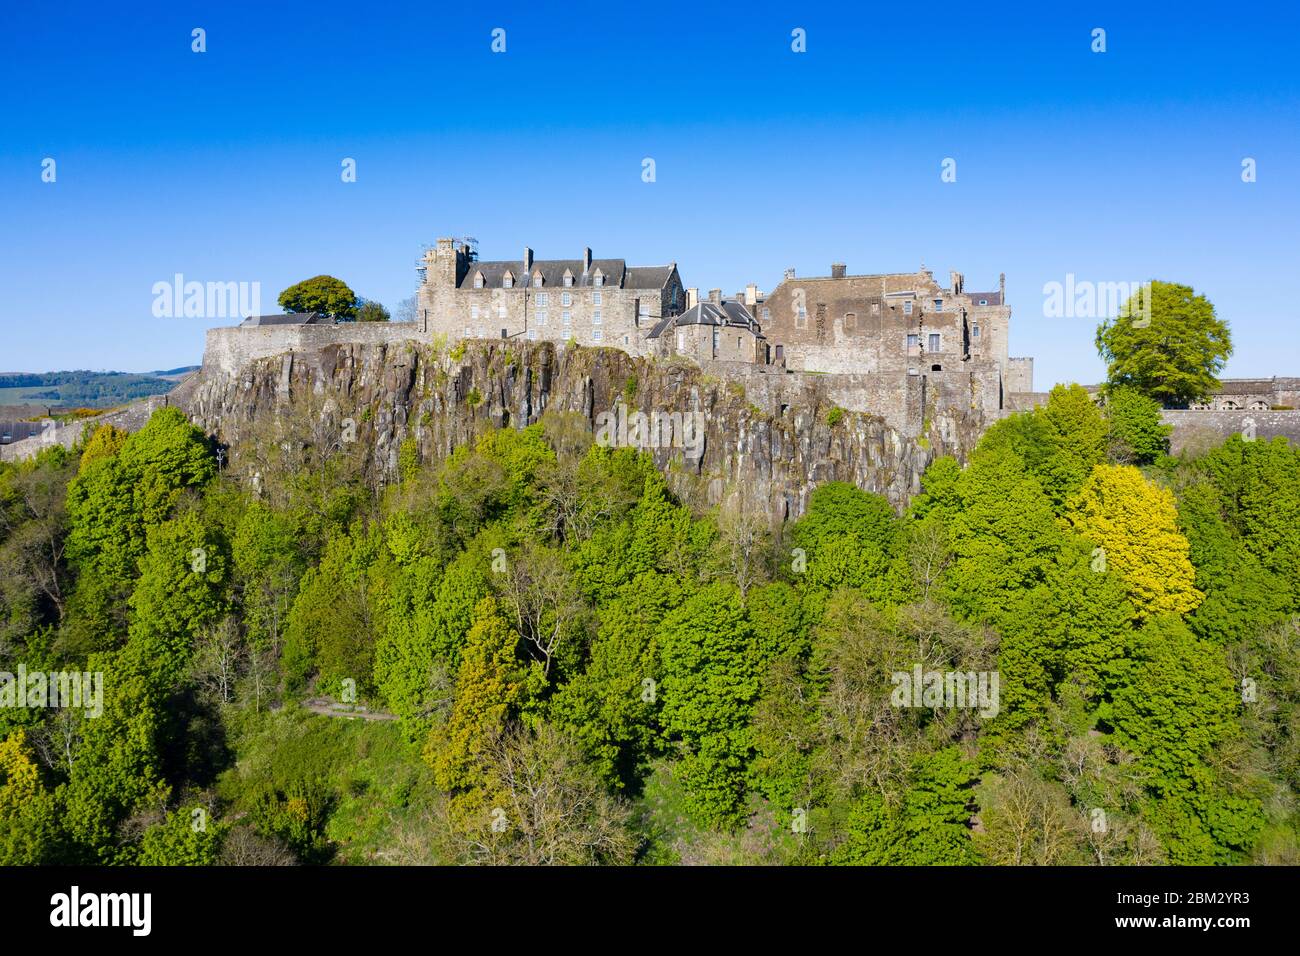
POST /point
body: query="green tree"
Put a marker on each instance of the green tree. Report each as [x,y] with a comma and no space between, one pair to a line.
[710,683]
[324,294]
[1172,351]
[371,311]
[1137,435]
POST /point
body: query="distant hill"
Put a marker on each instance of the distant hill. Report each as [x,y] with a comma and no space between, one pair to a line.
[86,389]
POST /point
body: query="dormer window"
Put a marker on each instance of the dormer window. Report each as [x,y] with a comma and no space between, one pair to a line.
[984,301]
[508,281]
[478,280]
[568,278]
[598,278]
[537,280]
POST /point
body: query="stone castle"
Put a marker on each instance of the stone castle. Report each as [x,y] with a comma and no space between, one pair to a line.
[930,361]
[896,344]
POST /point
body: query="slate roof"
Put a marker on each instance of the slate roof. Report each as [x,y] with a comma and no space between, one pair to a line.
[994,298]
[617,273]
[11,431]
[290,318]
[730,313]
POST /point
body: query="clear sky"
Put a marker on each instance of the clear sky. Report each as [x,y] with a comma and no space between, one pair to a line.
[225,166]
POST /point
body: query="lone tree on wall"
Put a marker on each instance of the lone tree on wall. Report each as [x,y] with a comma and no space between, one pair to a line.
[324,294]
[1172,353]
[368,310]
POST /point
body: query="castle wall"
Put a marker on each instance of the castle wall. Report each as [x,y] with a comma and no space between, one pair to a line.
[230,348]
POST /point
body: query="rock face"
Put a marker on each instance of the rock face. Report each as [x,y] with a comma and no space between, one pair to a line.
[442,398]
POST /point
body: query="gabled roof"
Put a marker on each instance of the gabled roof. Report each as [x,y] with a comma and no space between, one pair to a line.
[617,273]
[289,318]
[552,271]
[729,314]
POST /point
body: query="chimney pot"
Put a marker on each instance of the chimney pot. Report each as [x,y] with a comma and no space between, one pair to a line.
[837,270]
[586,260]
[528,259]
[692,298]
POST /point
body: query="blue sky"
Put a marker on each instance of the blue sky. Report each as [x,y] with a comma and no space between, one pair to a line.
[225,166]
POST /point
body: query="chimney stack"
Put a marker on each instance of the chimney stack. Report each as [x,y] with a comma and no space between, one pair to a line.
[586,261]
[956,282]
[789,274]
[751,294]
[837,270]
[528,259]
[692,298]
[1002,286]
[715,296]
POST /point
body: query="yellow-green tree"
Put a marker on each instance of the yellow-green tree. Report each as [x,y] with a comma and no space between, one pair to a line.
[1135,525]
[488,684]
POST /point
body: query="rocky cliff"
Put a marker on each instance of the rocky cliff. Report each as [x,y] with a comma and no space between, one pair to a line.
[442,398]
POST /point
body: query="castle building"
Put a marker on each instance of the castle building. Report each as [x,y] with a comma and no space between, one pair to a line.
[712,331]
[597,302]
[893,324]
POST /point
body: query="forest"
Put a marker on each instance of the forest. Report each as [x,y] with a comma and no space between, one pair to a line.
[551,659]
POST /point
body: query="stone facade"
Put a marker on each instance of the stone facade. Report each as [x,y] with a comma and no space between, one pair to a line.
[596,302]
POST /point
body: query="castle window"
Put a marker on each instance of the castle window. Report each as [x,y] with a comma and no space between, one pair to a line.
[501,310]
[681,341]
[566,298]
[567,317]
[507,281]
[541,317]
[801,316]
[643,308]
[597,334]
[984,301]
[1259,406]
[595,317]
[913,342]
[595,298]
[473,311]
[715,341]
[936,368]
[598,279]
[975,331]
[907,307]
[568,278]
[478,280]
[850,321]
[875,308]
[767,314]
[934,342]
[938,305]
[532,335]
[543,300]
[1229,405]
